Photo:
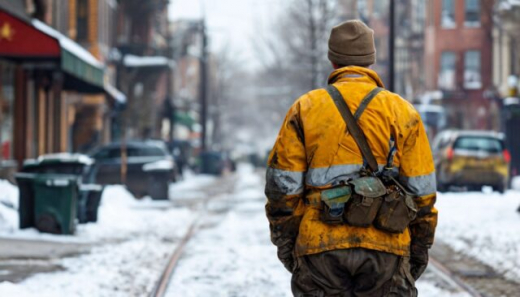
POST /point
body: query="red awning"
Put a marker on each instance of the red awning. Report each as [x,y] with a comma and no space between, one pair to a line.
[18,40]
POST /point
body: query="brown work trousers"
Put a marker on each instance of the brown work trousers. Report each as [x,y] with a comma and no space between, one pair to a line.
[353,272]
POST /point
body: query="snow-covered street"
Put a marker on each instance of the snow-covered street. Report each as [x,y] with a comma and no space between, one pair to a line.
[231,253]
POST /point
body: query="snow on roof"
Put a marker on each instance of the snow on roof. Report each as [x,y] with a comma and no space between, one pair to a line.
[115,93]
[62,157]
[68,44]
[151,61]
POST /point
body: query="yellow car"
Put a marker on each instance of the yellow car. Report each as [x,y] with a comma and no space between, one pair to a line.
[471,159]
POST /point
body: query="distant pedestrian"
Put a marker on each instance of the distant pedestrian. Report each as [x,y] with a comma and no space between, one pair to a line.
[351,182]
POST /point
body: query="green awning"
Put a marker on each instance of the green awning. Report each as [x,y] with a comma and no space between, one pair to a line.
[76,66]
[75,60]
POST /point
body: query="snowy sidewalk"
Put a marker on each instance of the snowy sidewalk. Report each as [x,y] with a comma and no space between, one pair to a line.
[130,245]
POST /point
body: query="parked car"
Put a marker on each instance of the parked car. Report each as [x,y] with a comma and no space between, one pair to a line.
[150,167]
[471,159]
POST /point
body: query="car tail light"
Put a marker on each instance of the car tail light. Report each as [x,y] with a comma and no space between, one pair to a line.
[507,156]
[449,153]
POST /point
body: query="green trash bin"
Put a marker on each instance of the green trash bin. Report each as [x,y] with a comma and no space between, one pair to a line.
[25,182]
[55,203]
[79,165]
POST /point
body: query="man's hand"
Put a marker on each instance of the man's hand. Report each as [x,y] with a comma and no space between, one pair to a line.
[418,260]
[286,256]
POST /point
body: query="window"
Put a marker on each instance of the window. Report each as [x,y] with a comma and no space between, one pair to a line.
[448,14]
[82,20]
[447,71]
[472,79]
[472,13]
[476,143]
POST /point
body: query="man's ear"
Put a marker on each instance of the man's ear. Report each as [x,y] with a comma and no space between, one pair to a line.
[334,66]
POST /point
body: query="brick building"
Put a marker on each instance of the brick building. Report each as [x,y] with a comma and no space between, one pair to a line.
[458,60]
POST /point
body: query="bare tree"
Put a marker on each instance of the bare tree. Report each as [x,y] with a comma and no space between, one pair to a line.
[294,54]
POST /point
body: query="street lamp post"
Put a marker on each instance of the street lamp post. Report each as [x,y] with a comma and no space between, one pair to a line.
[391,47]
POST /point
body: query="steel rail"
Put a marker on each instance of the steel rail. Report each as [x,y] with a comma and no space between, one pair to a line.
[162,286]
[450,277]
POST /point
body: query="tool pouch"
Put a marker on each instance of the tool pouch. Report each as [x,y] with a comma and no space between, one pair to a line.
[365,202]
[333,204]
[397,211]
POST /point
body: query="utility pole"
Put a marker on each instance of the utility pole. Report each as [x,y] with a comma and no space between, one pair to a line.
[203,86]
[391,47]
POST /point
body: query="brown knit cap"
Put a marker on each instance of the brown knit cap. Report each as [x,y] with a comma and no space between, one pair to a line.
[352,43]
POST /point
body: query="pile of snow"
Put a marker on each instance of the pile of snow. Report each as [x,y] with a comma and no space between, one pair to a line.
[515,183]
[8,194]
[8,219]
[121,216]
[484,226]
[8,207]
[191,186]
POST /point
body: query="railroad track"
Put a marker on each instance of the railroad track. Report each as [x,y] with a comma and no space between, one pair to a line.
[213,191]
[451,279]
[162,284]
[465,274]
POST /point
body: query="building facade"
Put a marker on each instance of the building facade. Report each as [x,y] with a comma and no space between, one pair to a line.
[145,68]
[458,60]
[55,92]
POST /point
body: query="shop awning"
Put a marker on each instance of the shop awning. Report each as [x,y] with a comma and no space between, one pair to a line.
[75,60]
[36,41]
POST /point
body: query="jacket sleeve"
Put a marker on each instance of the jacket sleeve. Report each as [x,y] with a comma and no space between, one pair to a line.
[285,181]
[417,173]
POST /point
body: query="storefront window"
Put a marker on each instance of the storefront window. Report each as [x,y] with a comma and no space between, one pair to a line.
[6,110]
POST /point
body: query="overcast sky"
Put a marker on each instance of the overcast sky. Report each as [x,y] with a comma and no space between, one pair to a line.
[232,23]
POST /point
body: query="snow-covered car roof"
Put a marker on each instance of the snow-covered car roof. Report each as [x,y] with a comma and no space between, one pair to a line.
[62,158]
[485,133]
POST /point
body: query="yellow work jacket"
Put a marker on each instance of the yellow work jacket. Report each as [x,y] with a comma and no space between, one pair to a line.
[313,151]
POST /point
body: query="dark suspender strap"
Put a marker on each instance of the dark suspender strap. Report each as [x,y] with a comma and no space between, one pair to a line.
[366,101]
[353,127]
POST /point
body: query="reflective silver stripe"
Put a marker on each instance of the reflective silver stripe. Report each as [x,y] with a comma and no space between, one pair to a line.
[420,185]
[318,177]
[285,182]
